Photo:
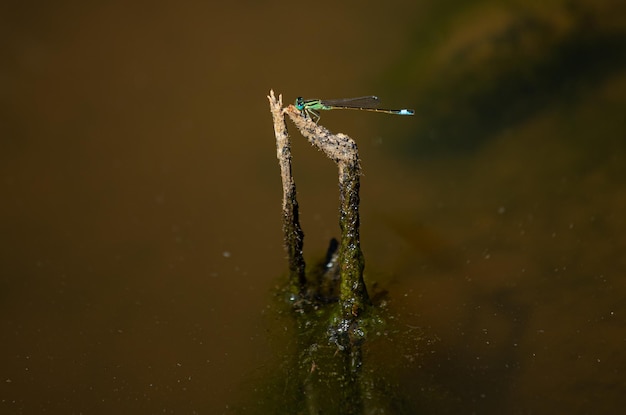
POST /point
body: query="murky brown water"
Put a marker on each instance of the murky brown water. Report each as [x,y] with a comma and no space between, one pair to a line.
[139,197]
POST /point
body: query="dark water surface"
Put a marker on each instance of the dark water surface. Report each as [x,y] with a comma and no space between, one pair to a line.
[140,199]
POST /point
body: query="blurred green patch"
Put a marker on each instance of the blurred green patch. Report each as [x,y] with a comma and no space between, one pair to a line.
[478,71]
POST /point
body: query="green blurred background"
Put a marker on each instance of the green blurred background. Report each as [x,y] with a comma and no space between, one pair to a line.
[140,224]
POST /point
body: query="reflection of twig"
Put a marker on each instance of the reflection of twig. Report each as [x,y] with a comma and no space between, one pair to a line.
[294,237]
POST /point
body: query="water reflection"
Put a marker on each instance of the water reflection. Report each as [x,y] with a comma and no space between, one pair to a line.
[529,309]
[126,174]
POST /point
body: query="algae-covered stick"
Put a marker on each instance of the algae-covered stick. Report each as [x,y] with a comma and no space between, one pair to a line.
[294,237]
[328,374]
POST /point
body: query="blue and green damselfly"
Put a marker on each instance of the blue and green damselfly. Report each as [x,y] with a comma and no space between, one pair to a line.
[368,103]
